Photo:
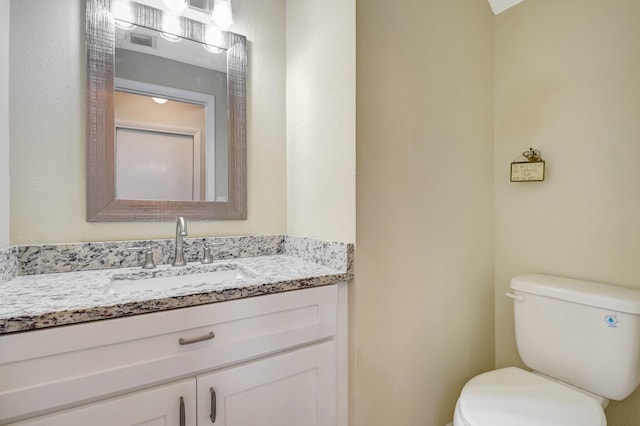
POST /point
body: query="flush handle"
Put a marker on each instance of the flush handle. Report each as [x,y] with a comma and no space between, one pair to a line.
[196,339]
[516,297]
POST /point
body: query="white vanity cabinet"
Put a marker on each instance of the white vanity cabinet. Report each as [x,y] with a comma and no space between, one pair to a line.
[295,389]
[158,406]
[271,360]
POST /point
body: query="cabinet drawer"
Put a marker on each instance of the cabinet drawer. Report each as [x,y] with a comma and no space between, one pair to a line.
[48,369]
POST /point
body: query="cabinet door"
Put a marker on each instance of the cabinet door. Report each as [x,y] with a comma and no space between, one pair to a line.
[158,406]
[297,388]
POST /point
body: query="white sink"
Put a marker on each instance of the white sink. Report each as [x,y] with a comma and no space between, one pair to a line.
[175,278]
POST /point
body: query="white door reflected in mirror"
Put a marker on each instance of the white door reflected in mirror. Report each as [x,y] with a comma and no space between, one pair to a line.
[153,165]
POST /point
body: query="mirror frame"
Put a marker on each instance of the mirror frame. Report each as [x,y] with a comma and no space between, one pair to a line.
[102,206]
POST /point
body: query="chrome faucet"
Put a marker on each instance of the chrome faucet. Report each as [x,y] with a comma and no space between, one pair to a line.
[181,231]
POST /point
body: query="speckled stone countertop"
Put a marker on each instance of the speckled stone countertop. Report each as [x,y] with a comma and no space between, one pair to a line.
[43,299]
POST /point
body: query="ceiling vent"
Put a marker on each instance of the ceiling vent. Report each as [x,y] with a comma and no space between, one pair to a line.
[142,40]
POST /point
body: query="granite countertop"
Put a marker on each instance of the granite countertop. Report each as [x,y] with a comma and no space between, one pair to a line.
[31,302]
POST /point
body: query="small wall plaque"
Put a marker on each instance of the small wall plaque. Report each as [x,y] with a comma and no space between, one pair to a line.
[527,172]
[531,170]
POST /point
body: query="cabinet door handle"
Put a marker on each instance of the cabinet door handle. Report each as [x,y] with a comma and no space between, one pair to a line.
[213,405]
[182,413]
[196,339]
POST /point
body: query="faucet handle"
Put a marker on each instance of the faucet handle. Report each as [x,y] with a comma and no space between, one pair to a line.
[206,255]
[148,256]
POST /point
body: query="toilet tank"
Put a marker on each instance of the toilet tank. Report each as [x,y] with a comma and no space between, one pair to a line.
[583,333]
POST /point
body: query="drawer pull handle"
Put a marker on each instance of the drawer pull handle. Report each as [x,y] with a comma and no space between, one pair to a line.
[196,339]
[213,405]
[182,412]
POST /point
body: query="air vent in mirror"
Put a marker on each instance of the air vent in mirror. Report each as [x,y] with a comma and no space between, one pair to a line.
[142,40]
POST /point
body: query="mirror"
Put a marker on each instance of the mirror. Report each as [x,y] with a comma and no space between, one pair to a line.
[170,111]
[166,126]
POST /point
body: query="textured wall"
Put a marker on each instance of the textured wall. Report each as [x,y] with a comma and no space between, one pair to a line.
[568,83]
[47,77]
[321,119]
[4,122]
[422,302]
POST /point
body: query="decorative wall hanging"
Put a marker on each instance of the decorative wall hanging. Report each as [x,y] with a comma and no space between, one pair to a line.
[530,170]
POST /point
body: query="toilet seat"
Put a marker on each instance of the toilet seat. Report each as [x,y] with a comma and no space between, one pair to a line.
[512,396]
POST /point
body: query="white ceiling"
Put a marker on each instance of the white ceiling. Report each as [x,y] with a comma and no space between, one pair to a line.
[501,5]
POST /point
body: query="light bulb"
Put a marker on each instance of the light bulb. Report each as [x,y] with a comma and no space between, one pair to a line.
[212,40]
[212,49]
[123,15]
[170,37]
[124,25]
[222,15]
[171,26]
[175,6]
[159,100]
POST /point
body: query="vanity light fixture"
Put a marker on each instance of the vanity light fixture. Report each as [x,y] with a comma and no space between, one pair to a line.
[212,49]
[127,26]
[160,101]
[212,39]
[170,37]
[222,15]
[175,7]
[123,15]
[170,27]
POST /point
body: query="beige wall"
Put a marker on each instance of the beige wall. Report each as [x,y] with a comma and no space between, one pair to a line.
[4,122]
[568,83]
[321,119]
[48,132]
[422,303]
[132,108]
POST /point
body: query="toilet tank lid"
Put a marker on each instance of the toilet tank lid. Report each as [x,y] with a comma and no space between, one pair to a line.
[605,296]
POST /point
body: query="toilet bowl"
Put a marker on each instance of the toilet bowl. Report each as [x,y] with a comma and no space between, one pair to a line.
[581,338]
[514,397]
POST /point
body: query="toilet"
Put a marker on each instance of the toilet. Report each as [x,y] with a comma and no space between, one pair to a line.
[582,341]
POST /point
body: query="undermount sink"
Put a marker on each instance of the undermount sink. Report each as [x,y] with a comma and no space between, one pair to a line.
[176,278]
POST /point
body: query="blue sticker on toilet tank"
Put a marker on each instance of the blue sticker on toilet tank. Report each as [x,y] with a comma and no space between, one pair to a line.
[611,320]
